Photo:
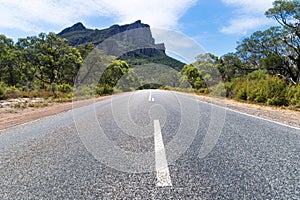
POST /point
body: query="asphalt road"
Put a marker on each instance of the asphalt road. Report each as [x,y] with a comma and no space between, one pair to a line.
[150,144]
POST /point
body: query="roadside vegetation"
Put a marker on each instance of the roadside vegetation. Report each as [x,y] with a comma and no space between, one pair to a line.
[264,69]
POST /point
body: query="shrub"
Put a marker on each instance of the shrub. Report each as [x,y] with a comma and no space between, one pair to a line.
[84,91]
[218,90]
[293,95]
[65,88]
[12,92]
[259,88]
[2,90]
[258,75]
[165,87]
[239,89]
[104,90]
[203,91]
[276,88]
[257,91]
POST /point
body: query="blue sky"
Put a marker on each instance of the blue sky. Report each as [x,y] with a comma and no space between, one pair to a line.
[216,25]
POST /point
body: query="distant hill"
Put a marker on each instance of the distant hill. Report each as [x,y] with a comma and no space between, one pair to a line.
[131,42]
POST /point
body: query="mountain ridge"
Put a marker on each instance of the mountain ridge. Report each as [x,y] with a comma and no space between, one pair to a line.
[127,41]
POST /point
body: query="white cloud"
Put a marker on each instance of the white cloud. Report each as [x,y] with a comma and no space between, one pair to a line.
[157,13]
[248,15]
[253,6]
[242,24]
[33,15]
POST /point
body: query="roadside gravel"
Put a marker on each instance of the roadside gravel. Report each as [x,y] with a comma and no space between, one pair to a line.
[11,116]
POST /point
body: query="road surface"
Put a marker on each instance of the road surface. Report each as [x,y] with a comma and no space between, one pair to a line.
[150,144]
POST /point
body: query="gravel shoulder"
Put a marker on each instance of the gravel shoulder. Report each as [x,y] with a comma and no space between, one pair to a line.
[277,114]
[13,116]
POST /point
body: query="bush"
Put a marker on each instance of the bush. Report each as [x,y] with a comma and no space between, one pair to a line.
[276,89]
[258,75]
[165,87]
[65,88]
[239,89]
[218,90]
[12,92]
[84,91]
[104,90]
[203,91]
[222,89]
[293,95]
[257,91]
[2,90]
[258,88]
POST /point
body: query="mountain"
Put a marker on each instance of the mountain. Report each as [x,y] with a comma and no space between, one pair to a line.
[131,42]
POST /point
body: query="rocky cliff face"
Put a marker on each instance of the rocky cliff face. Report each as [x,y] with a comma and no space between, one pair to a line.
[116,39]
[130,42]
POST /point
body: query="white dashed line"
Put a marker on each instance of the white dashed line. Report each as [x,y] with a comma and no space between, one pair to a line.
[161,164]
[150,97]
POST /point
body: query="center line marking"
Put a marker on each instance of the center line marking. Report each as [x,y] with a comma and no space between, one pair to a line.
[150,98]
[161,164]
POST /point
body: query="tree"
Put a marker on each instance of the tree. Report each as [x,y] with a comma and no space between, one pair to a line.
[204,73]
[230,66]
[85,49]
[276,49]
[191,74]
[208,66]
[25,47]
[55,61]
[9,72]
[113,73]
[287,14]
[254,49]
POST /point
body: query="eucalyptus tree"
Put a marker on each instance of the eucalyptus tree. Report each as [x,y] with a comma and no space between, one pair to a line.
[56,62]
[276,49]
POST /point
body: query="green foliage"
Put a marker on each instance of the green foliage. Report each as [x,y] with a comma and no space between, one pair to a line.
[204,74]
[240,89]
[259,87]
[276,89]
[65,88]
[150,86]
[137,58]
[2,90]
[191,74]
[113,73]
[165,88]
[277,48]
[129,82]
[45,66]
[219,90]
[230,66]
[286,13]
[293,95]
[56,62]
[11,92]
[203,91]
[259,74]
[104,90]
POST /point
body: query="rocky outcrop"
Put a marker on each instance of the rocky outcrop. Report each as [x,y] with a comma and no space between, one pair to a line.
[131,40]
[76,27]
[127,37]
